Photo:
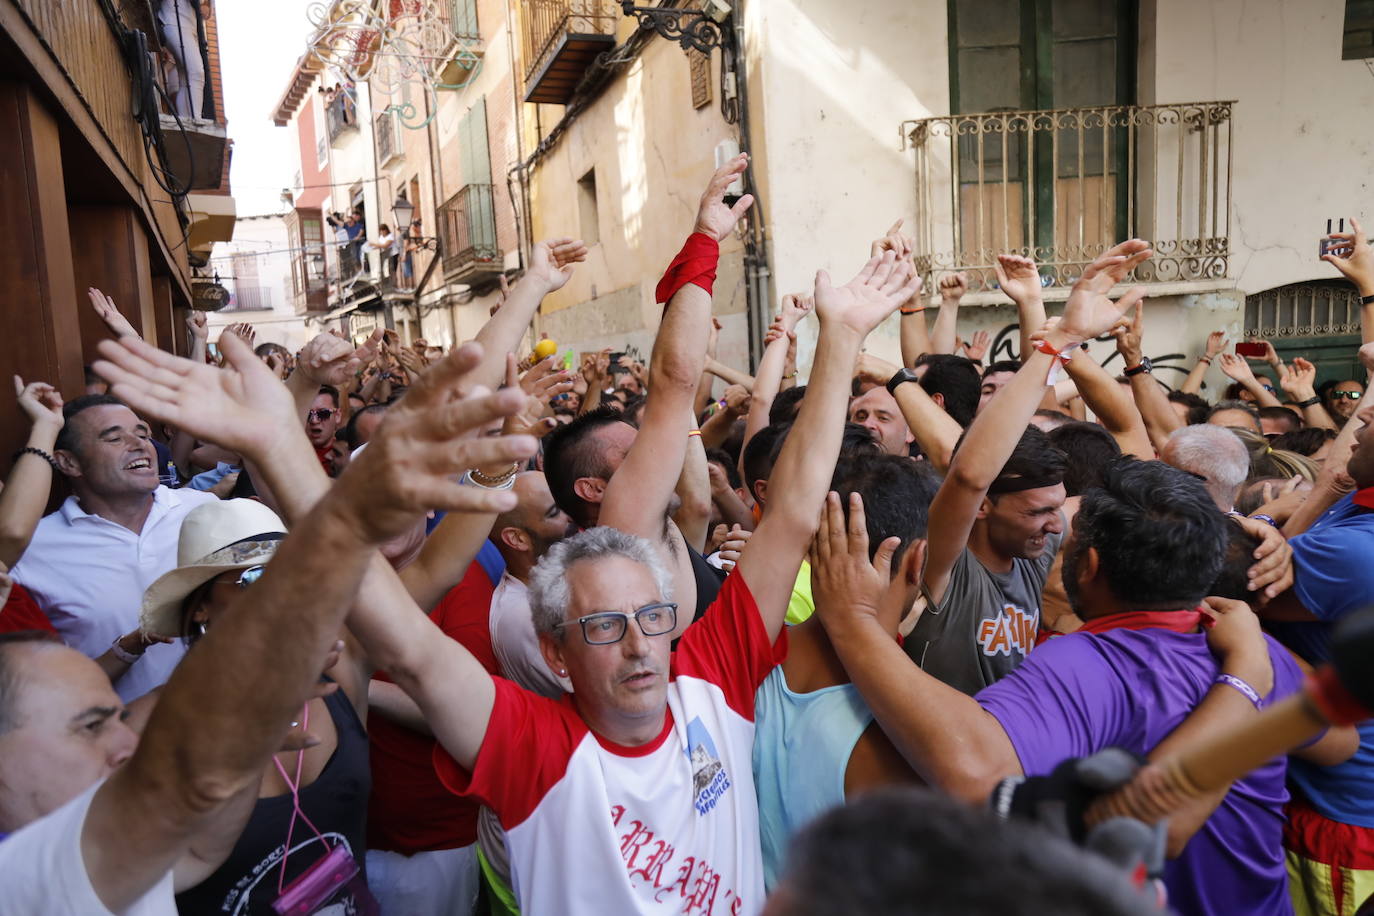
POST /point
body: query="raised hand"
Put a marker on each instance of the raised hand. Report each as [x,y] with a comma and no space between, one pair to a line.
[104,307]
[795,308]
[1018,277]
[714,218]
[733,546]
[1298,380]
[1216,342]
[737,400]
[953,287]
[244,332]
[41,403]
[552,262]
[1234,631]
[328,359]
[1367,356]
[881,286]
[893,241]
[539,385]
[1236,368]
[843,579]
[979,347]
[1129,334]
[243,407]
[1088,311]
[196,324]
[870,368]
[1351,254]
[545,380]
[429,437]
[714,340]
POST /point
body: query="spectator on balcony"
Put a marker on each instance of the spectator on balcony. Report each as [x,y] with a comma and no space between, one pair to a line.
[180,21]
[388,251]
[412,245]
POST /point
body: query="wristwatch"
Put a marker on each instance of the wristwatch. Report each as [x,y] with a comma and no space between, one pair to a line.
[901,377]
[1145,366]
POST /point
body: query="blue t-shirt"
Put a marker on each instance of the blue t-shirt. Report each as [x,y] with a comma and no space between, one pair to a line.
[1080,693]
[1333,566]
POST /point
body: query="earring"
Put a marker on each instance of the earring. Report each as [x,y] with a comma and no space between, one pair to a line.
[200,628]
[562,672]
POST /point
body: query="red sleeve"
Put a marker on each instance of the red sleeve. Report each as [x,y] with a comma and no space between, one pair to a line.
[729,646]
[526,750]
[21,612]
[464,614]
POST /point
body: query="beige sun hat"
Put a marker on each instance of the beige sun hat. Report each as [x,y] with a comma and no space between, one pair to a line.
[216,537]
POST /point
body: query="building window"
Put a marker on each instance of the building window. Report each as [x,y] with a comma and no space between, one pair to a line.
[465,19]
[1357,42]
[586,208]
[700,68]
[322,151]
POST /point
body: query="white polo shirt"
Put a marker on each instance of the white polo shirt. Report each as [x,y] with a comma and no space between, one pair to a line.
[515,643]
[88,574]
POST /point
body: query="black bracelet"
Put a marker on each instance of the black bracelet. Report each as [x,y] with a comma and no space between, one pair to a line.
[1367,300]
[30,450]
[1310,402]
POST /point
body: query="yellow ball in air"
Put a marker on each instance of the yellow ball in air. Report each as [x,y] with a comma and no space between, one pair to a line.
[545,348]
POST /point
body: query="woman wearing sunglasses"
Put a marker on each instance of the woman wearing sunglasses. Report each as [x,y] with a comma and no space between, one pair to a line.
[313,801]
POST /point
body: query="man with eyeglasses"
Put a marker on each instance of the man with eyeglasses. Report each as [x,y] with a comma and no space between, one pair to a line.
[1343,399]
[634,793]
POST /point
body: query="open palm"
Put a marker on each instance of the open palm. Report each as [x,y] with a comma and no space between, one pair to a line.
[242,407]
[881,286]
[1088,311]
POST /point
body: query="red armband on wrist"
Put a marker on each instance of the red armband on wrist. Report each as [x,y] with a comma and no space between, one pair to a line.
[695,263]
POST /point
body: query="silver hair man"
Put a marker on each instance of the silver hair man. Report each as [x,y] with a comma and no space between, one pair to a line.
[1213,453]
[549,592]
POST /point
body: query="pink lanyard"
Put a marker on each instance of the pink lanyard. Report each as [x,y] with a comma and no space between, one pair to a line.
[295,800]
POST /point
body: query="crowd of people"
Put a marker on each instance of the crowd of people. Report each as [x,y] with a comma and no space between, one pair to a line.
[375,627]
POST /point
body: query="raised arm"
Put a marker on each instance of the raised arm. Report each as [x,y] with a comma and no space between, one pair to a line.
[1019,278]
[551,265]
[25,495]
[636,499]
[729,374]
[1114,408]
[915,339]
[953,288]
[768,378]
[847,314]
[1297,381]
[1216,342]
[1238,370]
[183,443]
[1351,254]
[936,431]
[996,430]
[1150,399]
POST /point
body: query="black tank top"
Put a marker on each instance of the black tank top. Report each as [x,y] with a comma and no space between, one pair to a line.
[246,884]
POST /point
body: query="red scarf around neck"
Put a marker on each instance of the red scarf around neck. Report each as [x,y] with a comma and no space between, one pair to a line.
[1364,498]
[1177,621]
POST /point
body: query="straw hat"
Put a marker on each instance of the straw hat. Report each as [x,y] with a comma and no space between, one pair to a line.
[215,537]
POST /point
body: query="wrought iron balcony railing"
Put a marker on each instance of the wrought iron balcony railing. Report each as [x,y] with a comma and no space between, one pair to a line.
[340,114]
[467,233]
[561,39]
[1062,186]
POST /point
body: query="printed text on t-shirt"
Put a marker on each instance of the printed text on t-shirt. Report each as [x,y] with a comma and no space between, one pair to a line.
[695,882]
[1012,630]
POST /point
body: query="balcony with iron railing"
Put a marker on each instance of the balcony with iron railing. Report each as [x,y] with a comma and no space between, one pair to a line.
[467,234]
[561,39]
[340,114]
[1062,186]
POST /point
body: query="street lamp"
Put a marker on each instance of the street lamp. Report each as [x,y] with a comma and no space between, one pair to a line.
[403,210]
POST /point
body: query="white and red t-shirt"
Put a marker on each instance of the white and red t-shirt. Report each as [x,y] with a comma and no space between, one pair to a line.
[668,827]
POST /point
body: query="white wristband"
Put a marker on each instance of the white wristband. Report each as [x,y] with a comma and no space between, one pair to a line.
[127,658]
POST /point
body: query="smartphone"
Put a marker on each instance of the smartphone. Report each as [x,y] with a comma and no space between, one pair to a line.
[1326,244]
[1249,348]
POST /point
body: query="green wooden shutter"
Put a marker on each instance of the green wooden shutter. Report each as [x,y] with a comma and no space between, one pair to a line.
[465,19]
[475,162]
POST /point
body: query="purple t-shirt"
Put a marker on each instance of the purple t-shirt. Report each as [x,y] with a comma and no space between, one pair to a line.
[1080,693]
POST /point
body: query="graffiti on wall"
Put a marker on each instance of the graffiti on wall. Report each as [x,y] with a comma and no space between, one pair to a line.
[1006,345]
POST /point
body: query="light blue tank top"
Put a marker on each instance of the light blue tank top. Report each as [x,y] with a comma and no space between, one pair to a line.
[802,743]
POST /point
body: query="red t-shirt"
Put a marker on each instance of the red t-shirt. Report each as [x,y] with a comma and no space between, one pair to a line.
[21,612]
[410,810]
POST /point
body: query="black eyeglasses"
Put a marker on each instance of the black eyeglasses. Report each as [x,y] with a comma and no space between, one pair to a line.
[1352,395]
[610,626]
[320,414]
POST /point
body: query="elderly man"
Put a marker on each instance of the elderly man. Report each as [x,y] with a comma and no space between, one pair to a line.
[91,560]
[1213,454]
[876,410]
[643,783]
[99,826]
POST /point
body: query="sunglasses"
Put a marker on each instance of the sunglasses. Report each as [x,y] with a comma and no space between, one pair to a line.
[1352,395]
[320,414]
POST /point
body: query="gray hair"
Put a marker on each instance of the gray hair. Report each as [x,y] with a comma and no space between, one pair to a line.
[550,595]
[1214,453]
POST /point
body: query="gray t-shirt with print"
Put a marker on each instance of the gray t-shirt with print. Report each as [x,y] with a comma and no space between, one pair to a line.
[986,623]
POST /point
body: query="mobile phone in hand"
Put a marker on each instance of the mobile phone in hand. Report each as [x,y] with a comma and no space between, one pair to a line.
[1251,349]
[1327,243]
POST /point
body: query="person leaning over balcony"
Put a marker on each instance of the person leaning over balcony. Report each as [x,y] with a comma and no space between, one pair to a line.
[387,251]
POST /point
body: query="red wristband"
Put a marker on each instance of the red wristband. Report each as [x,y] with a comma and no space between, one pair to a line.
[695,263]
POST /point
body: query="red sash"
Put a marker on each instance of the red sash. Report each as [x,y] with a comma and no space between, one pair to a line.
[1364,498]
[695,263]
[1177,621]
